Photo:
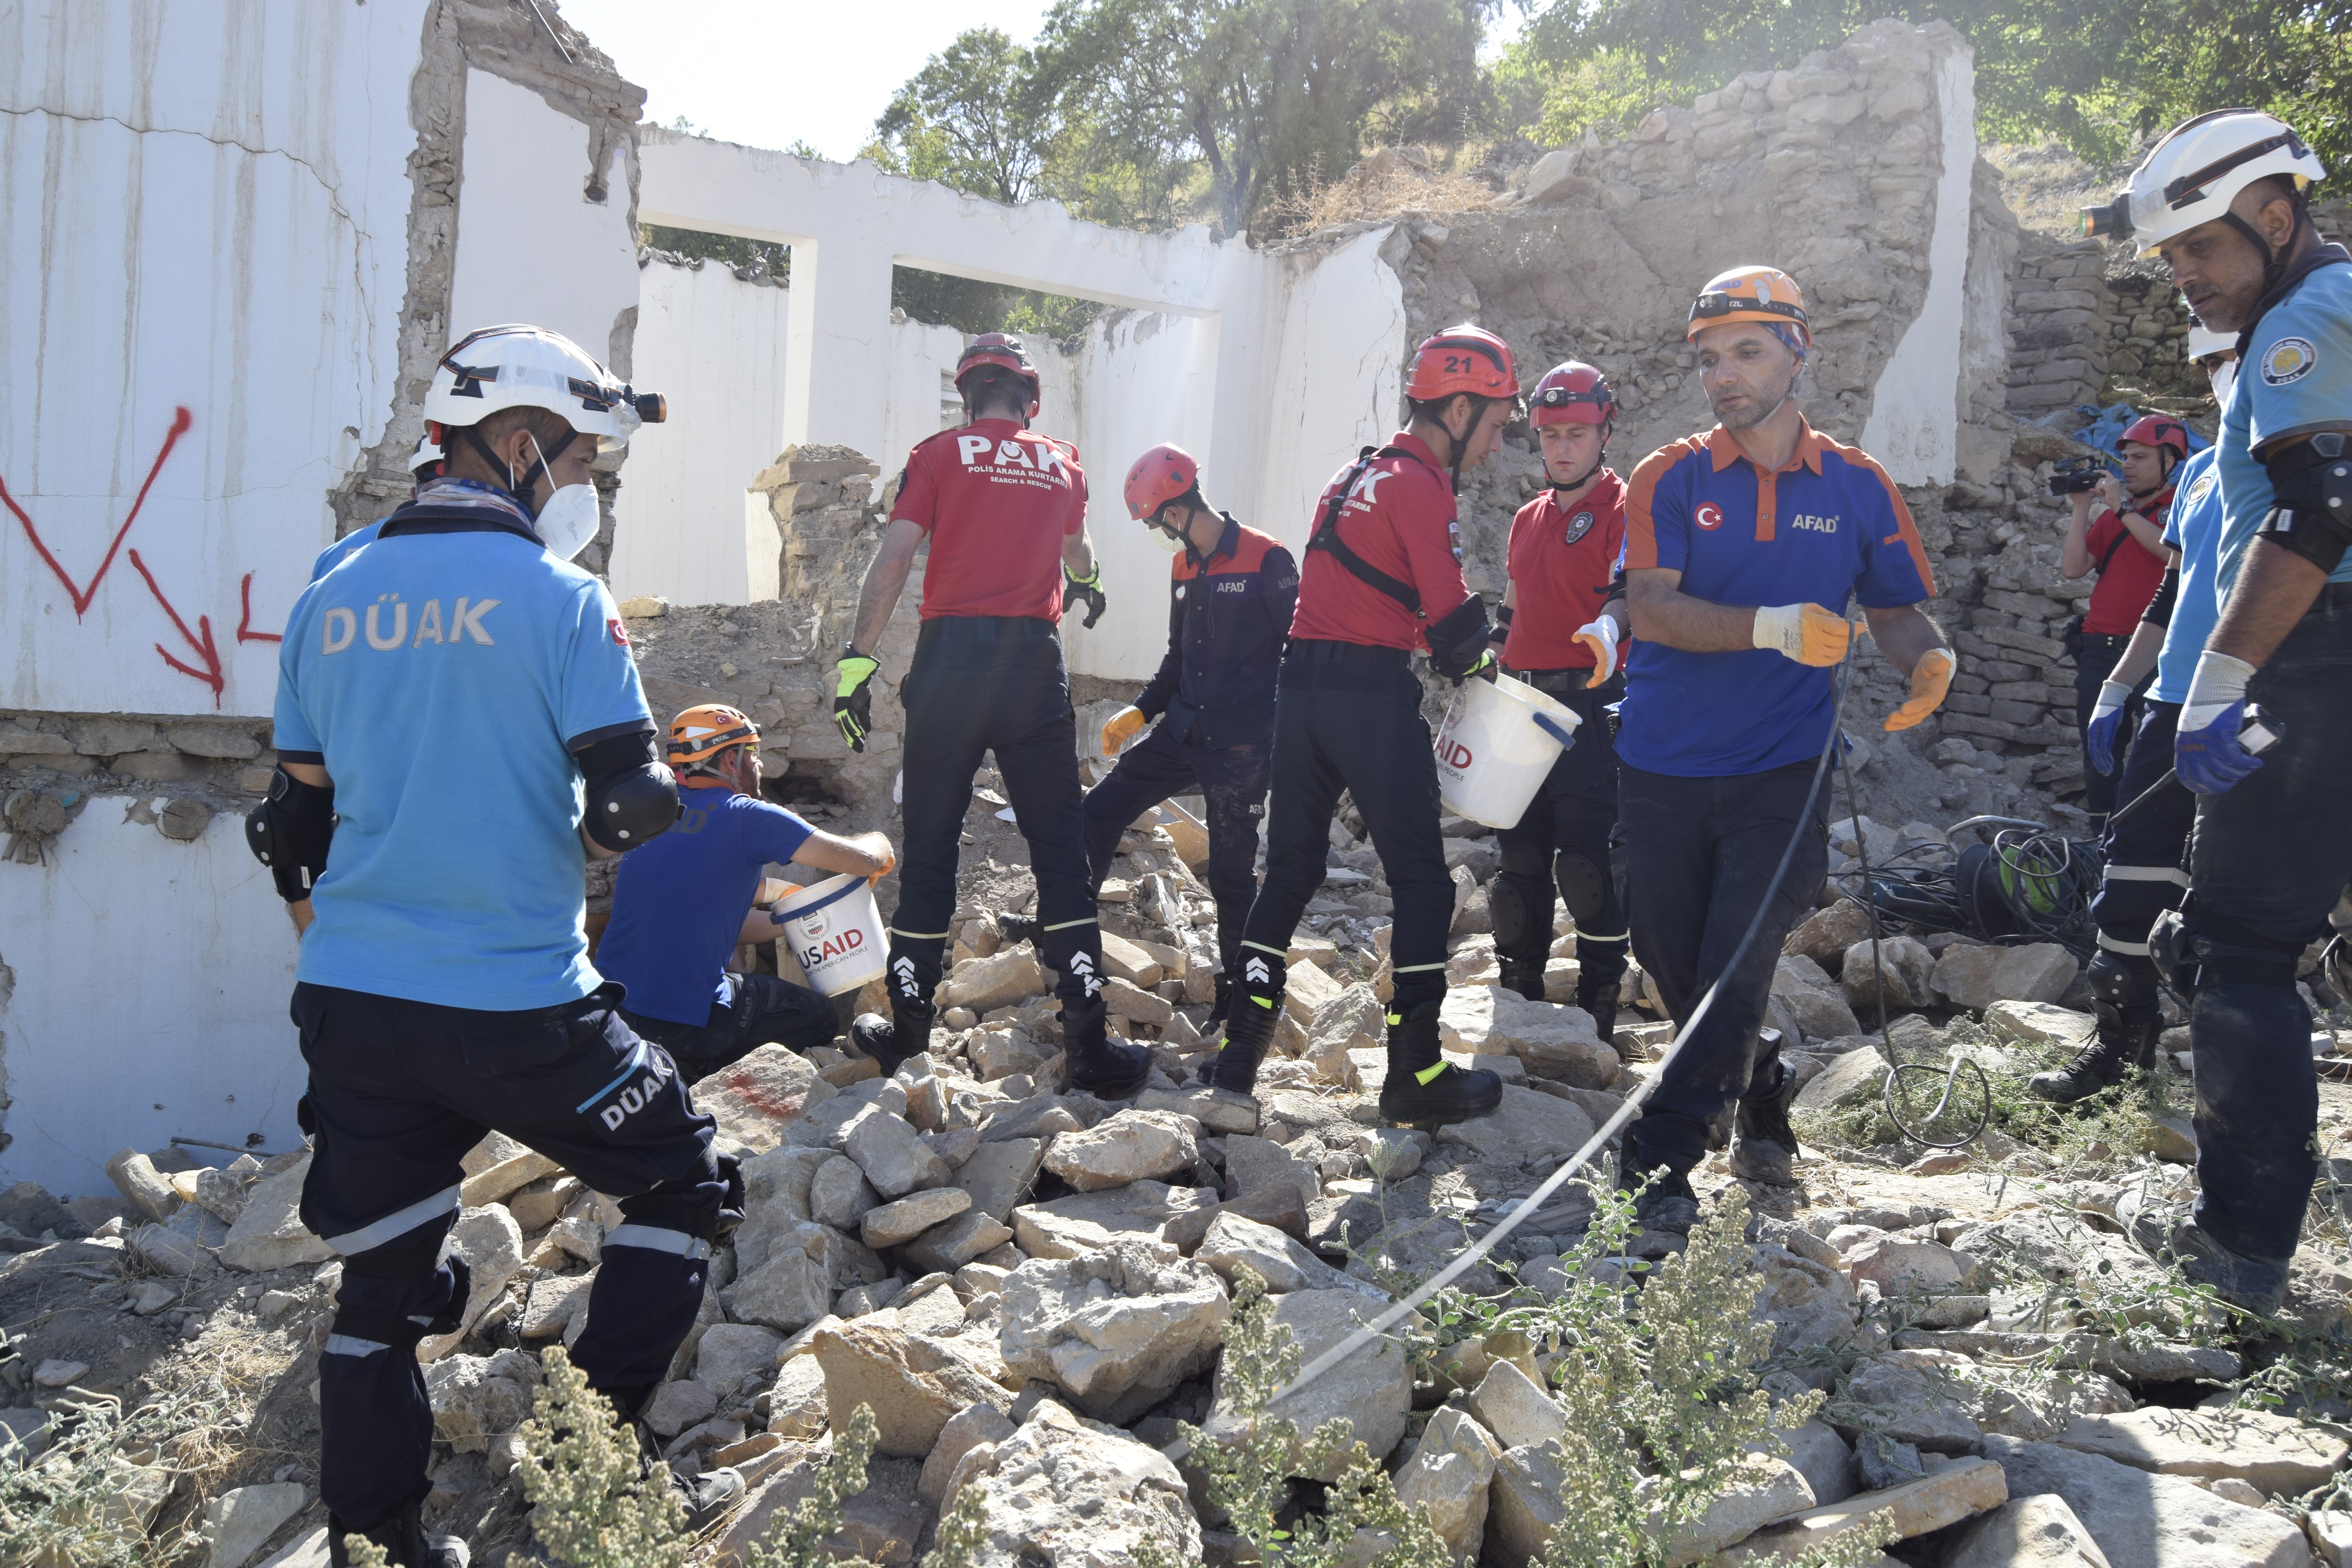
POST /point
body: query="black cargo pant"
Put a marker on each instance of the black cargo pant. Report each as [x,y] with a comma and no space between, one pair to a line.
[1348,718]
[1562,843]
[1233,785]
[2097,661]
[399,1092]
[978,684]
[2267,862]
[2147,856]
[760,1010]
[1699,854]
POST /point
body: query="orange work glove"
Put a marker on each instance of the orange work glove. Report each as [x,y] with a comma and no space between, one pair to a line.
[1931,678]
[1806,633]
[1120,728]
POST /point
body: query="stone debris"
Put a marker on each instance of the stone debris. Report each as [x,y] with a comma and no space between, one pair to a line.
[1116,1330]
[2164,1521]
[2039,1531]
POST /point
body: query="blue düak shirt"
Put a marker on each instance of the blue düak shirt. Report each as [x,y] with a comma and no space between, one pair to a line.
[2295,377]
[679,903]
[443,676]
[2193,527]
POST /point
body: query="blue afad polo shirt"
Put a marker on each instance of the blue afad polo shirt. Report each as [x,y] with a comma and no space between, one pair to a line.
[2296,377]
[443,678]
[1829,524]
[2193,527]
[679,903]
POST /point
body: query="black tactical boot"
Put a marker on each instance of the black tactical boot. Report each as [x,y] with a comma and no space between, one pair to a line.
[1527,979]
[1423,1090]
[1763,1145]
[1021,927]
[1599,997]
[1098,1064]
[1253,1012]
[2167,1233]
[892,1040]
[1666,1202]
[1222,1005]
[2127,1039]
[404,1540]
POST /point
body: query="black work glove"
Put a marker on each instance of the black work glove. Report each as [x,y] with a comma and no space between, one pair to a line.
[1088,591]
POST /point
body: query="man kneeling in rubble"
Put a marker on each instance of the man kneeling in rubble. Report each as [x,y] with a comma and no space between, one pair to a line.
[679,905]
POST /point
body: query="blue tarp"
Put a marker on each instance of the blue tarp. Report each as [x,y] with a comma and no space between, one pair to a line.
[2107,425]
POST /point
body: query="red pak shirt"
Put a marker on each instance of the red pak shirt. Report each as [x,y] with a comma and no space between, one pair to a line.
[1562,560]
[998,502]
[2125,589]
[1400,517]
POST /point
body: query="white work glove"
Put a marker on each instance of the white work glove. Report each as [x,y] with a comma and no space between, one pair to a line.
[1602,635]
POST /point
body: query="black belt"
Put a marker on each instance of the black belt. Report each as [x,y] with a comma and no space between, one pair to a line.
[1553,682]
[992,628]
[1315,650]
[2104,640]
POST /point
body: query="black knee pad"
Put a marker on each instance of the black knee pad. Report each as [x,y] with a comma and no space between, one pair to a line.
[1584,888]
[1508,903]
[2124,980]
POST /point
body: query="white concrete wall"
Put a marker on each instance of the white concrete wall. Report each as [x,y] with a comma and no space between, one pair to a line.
[714,346]
[1915,415]
[151,987]
[203,206]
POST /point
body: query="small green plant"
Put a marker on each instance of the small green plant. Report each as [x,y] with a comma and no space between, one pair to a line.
[1249,1472]
[797,1540]
[88,1501]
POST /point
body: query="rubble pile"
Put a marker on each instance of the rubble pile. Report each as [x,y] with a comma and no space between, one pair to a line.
[1031,1289]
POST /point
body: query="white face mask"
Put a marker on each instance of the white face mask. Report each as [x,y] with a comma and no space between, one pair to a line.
[1164,539]
[569,520]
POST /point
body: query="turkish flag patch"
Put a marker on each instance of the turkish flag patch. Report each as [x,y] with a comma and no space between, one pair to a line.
[620,633]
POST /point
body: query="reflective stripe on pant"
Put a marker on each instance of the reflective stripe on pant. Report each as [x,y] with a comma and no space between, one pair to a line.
[1352,722]
[2145,851]
[1570,820]
[981,684]
[2268,862]
[1699,854]
[1233,783]
[399,1092]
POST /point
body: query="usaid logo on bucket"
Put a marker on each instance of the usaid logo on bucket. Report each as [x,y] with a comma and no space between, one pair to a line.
[1453,754]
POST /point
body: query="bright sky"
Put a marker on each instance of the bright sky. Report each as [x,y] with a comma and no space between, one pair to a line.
[770,72]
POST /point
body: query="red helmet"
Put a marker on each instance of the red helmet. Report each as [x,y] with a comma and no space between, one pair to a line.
[2158,430]
[1463,359]
[1572,394]
[1164,474]
[1001,350]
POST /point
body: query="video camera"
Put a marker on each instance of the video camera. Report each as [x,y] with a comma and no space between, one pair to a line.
[2073,476]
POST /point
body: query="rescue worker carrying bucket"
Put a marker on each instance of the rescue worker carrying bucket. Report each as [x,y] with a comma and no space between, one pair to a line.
[1382,578]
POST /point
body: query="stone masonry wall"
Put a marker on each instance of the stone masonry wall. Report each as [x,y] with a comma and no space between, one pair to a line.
[2058,342]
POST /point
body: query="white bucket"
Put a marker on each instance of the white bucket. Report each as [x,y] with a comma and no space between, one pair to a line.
[1499,741]
[835,932]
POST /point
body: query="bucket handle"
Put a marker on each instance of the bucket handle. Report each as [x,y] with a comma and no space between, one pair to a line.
[1550,726]
[834,897]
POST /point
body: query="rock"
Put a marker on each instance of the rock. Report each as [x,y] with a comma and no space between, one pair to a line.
[1809,1302]
[1131,1002]
[151,1297]
[491,1244]
[236,1522]
[2172,1139]
[907,1219]
[1943,1499]
[1823,1457]
[1371,1389]
[2331,1536]
[729,1352]
[1040,1117]
[1067,1490]
[1395,1153]
[1898,1264]
[2276,1453]
[221,1192]
[1233,1242]
[675,1406]
[1350,1021]
[1920,1393]
[946,1247]
[307,1549]
[1131,1146]
[1123,960]
[1220,1110]
[2039,972]
[839,1194]
[148,1191]
[1252,1163]
[2113,1358]
[29,1427]
[57,1372]
[1523,1505]
[1904,968]
[1763,1490]
[1559,1043]
[998,1175]
[270,1234]
[2038,1531]
[1527,1129]
[1964,974]
[1071,1227]
[789,1292]
[1825,934]
[912,1384]
[1813,999]
[1853,1078]
[892,1153]
[506,1178]
[976,1424]
[1448,1473]
[477,1398]
[998,980]
[758,1098]
[1511,1406]
[2038,1022]
[1116,1330]
[796,1404]
[2150,1521]
[169,1250]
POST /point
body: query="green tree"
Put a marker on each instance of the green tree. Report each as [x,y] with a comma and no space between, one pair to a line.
[967,120]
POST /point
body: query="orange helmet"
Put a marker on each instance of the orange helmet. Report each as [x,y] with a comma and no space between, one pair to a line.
[1763,294]
[700,733]
[1463,359]
[1001,350]
[1164,474]
[1572,393]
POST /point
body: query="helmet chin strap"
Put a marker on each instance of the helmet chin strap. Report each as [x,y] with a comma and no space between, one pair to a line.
[520,489]
[2273,260]
[1598,458]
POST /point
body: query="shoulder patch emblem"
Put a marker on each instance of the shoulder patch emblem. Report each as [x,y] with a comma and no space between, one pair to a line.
[2289,360]
[1709,515]
[1578,526]
[2203,487]
[620,633]
[1454,541]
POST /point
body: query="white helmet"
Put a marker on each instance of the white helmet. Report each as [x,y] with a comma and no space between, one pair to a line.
[518,366]
[2197,171]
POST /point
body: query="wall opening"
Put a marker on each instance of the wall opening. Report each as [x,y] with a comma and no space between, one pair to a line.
[749,258]
[969,306]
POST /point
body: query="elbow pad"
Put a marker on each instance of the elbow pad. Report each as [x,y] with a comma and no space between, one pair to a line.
[289,833]
[2168,593]
[2311,508]
[632,796]
[1458,639]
